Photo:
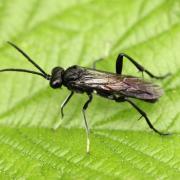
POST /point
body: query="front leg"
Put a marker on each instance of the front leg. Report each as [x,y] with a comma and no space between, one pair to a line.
[56,126]
[65,102]
[119,66]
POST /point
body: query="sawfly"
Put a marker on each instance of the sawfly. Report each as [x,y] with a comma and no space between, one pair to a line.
[113,86]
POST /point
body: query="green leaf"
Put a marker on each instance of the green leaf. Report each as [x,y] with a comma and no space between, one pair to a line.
[64,33]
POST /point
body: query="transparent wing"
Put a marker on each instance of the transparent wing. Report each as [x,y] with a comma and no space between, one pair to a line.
[119,85]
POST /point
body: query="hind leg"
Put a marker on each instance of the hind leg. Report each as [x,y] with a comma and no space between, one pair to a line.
[143,114]
[119,66]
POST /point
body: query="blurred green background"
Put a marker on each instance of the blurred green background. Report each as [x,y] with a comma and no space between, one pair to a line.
[64,33]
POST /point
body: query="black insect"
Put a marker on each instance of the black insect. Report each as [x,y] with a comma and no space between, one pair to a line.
[114,86]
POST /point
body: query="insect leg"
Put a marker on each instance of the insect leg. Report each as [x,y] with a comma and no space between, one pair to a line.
[65,102]
[57,125]
[143,114]
[96,61]
[119,65]
[106,53]
[85,120]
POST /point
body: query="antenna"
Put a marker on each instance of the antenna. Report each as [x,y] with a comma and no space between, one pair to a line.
[43,73]
[27,71]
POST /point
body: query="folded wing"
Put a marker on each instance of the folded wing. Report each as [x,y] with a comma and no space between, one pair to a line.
[120,85]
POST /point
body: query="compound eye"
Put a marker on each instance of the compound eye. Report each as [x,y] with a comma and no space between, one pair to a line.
[56,83]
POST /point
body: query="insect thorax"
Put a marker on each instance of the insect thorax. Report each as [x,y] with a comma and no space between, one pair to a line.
[70,76]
